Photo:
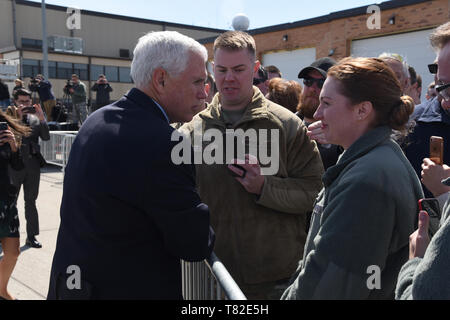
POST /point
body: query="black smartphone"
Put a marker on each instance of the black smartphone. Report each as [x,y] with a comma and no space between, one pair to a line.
[431,206]
[234,174]
[3,126]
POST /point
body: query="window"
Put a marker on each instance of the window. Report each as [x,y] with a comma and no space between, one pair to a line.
[96,70]
[30,67]
[31,43]
[64,70]
[124,74]
[112,73]
[51,69]
[81,70]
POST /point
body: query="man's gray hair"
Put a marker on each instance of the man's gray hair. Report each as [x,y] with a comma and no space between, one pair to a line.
[395,56]
[168,50]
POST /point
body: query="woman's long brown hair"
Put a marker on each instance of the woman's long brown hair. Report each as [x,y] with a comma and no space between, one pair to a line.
[18,129]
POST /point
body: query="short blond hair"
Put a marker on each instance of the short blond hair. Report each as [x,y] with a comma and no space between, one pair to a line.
[440,36]
[235,40]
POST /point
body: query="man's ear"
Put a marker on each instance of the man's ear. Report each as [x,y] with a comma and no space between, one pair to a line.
[159,79]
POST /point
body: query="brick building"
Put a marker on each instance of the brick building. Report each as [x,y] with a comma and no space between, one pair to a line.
[404,28]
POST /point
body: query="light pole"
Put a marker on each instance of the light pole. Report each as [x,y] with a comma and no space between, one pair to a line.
[44,42]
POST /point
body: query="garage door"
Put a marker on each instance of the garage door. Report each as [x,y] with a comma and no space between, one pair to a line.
[413,46]
[290,62]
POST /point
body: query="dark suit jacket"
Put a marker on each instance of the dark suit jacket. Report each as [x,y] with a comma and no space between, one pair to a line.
[128,214]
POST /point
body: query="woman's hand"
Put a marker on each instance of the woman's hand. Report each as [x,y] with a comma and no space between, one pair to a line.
[7,136]
[315,132]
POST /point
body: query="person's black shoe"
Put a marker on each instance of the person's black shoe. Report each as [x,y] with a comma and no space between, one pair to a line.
[32,242]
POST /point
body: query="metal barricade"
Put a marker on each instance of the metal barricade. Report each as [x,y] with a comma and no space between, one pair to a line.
[209,280]
[56,150]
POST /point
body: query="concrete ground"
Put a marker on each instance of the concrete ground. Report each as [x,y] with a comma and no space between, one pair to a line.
[30,278]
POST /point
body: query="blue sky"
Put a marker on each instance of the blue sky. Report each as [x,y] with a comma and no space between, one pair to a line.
[216,13]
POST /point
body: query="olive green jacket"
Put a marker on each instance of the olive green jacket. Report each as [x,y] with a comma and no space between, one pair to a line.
[260,239]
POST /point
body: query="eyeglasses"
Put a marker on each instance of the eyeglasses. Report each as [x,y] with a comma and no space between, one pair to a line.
[433,68]
[444,91]
[23,102]
[257,81]
[310,81]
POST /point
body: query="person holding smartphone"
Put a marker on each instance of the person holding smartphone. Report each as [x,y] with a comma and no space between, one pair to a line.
[32,117]
[426,275]
[9,221]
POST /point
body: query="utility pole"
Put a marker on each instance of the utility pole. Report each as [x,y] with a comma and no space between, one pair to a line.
[44,42]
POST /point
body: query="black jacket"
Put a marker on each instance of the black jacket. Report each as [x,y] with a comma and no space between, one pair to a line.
[103,91]
[128,214]
[4,91]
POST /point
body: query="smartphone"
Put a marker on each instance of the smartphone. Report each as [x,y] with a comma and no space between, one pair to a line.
[3,126]
[431,206]
[437,150]
[234,174]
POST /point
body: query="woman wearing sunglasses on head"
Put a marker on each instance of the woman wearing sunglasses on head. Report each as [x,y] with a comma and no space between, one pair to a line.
[10,130]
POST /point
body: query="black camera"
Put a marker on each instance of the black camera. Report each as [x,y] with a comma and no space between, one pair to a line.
[34,85]
[68,86]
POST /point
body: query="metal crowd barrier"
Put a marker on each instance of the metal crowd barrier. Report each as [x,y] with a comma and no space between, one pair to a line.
[206,280]
[56,150]
[209,280]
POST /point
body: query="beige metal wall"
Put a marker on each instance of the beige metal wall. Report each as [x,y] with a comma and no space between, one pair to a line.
[6,23]
[102,36]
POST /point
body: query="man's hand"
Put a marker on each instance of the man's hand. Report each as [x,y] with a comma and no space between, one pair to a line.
[315,132]
[419,240]
[252,181]
[432,175]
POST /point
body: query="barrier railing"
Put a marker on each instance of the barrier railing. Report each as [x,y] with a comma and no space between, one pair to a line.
[56,150]
[209,280]
[206,280]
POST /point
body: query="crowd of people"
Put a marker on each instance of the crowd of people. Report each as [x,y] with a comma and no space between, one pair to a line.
[351,156]
[73,107]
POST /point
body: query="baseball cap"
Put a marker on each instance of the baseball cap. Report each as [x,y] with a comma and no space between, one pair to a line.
[321,65]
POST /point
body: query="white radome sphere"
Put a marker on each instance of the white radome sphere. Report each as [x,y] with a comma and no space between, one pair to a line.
[241,22]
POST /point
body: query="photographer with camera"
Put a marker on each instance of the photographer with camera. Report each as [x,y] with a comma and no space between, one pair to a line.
[103,89]
[32,117]
[44,89]
[77,90]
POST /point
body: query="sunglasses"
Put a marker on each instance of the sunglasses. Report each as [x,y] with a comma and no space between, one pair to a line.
[310,81]
[257,81]
[433,68]
[444,91]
